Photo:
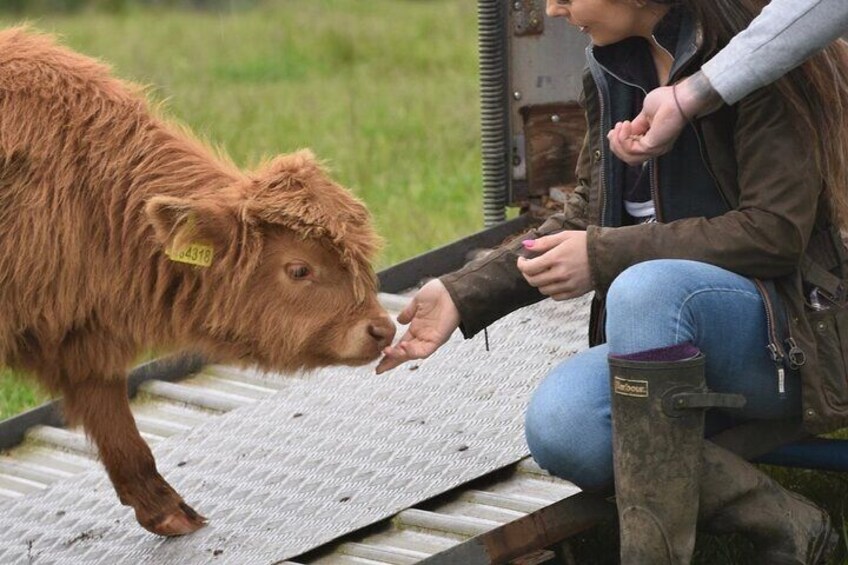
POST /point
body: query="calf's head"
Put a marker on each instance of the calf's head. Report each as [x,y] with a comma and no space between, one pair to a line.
[289,282]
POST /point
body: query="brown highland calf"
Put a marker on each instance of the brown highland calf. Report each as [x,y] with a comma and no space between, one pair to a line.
[121,233]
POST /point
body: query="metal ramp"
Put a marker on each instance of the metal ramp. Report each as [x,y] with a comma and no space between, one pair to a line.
[340,466]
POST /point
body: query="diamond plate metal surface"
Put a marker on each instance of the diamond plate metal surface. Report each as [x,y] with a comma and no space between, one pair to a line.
[327,455]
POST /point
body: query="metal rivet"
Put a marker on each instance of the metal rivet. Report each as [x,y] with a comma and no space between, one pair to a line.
[555,118]
[515,5]
[597,154]
[821,326]
[811,412]
[516,95]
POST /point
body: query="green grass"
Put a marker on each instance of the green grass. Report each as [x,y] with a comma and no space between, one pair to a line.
[16,395]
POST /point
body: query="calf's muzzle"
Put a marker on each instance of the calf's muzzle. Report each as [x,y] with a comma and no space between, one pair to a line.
[382,329]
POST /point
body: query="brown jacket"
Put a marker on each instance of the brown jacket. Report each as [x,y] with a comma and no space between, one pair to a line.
[767,175]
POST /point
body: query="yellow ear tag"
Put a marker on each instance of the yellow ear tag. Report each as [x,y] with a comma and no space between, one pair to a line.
[194,254]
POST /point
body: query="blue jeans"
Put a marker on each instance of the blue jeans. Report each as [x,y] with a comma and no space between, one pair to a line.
[650,305]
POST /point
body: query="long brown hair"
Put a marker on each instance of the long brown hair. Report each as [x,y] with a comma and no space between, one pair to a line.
[816,91]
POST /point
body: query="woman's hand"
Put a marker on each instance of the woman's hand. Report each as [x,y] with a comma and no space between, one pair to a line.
[665,113]
[561,271]
[652,133]
[432,317]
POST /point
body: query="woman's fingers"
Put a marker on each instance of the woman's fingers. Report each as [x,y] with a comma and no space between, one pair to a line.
[408,312]
[559,290]
[393,356]
[561,271]
[545,242]
[546,277]
[540,263]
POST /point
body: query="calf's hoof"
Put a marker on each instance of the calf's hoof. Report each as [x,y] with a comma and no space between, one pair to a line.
[179,522]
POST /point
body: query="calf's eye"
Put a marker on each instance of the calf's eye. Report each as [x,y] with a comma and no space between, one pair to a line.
[298,271]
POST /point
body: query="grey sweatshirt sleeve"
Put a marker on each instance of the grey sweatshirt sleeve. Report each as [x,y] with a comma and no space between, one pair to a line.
[785,34]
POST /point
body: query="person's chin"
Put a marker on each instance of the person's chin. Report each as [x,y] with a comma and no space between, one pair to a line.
[596,41]
[602,41]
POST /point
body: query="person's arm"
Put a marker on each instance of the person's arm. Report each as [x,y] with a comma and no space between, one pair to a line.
[785,34]
[484,290]
[488,288]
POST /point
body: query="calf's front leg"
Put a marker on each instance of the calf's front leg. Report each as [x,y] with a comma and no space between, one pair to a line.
[103,409]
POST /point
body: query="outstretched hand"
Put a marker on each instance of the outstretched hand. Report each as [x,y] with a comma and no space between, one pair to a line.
[432,317]
[561,270]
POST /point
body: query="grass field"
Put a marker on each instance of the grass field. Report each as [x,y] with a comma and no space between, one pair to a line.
[384,90]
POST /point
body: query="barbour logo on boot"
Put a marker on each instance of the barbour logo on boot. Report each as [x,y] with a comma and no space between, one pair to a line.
[628,387]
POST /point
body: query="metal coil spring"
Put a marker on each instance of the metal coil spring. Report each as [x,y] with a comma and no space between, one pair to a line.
[493,108]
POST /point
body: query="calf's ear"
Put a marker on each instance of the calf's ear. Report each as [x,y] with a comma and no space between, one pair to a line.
[180,222]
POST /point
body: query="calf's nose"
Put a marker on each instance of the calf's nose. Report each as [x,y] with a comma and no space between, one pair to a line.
[382,330]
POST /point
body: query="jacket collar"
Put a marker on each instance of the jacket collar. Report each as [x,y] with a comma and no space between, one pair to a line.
[677,33]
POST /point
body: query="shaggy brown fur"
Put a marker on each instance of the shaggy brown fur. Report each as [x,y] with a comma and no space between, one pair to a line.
[93,189]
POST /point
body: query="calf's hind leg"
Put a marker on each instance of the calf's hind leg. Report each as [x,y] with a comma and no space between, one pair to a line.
[103,409]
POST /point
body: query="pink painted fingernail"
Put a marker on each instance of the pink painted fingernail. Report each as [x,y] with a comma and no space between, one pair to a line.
[528,242]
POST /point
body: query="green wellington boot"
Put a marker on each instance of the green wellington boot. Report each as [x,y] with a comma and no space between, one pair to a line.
[785,527]
[658,437]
